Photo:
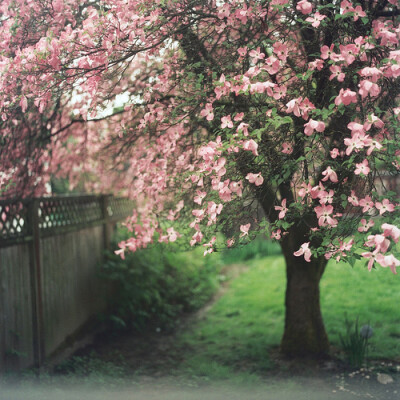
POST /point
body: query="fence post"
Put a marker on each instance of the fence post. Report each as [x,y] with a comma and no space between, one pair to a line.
[107,228]
[36,283]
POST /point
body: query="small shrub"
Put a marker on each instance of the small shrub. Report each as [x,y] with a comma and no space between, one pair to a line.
[153,286]
[355,343]
[91,365]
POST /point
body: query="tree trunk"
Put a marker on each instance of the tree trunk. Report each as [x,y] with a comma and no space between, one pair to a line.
[304,334]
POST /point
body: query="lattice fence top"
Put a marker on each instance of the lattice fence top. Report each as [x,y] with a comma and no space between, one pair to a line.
[57,214]
[13,220]
[119,208]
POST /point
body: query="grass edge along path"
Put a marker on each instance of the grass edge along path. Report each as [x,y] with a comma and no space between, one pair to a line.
[245,325]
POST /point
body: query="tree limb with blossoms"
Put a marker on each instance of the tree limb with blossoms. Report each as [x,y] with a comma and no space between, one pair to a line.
[261,116]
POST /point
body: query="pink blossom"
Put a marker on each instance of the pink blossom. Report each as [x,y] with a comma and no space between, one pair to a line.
[226,122]
[373,120]
[346,6]
[276,234]
[257,179]
[281,50]
[196,238]
[348,53]
[315,190]
[337,73]
[210,246]
[219,167]
[356,128]
[379,242]
[362,168]
[324,216]
[23,103]
[287,148]
[316,19]
[316,64]
[279,92]
[230,242]
[346,97]
[172,234]
[225,194]
[200,196]
[366,203]
[388,261]
[261,87]
[237,187]
[242,51]
[312,125]
[330,174]
[365,225]
[304,249]
[374,145]
[244,229]
[256,55]
[272,65]
[358,13]
[326,197]
[368,87]
[334,152]
[371,256]
[392,231]
[294,107]
[372,72]
[384,206]
[238,117]
[243,127]
[283,209]
[251,145]
[326,52]
[358,138]
[353,199]
[121,251]
[304,7]
[306,106]
[304,190]
[345,246]
[208,112]
[224,11]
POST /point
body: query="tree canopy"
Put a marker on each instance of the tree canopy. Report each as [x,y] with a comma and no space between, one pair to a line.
[205,111]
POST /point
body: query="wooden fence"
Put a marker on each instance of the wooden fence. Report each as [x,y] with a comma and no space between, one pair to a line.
[49,252]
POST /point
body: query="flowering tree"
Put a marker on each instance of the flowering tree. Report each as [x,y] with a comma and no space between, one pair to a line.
[206,112]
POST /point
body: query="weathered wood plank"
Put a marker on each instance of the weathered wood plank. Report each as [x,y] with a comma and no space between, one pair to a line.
[72,292]
[15,308]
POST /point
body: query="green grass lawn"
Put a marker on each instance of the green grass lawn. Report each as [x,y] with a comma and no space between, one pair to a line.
[246,323]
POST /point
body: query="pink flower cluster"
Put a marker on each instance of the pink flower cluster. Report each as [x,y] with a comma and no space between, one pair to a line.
[381,244]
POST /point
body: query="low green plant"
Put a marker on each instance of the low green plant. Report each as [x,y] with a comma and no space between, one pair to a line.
[155,285]
[355,342]
[91,365]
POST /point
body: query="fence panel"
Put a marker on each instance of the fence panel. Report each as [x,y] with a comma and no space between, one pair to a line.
[16,333]
[49,289]
[71,291]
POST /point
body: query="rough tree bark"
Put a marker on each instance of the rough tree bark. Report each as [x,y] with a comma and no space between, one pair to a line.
[304,333]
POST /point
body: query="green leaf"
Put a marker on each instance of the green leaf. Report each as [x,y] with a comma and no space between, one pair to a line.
[351,260]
